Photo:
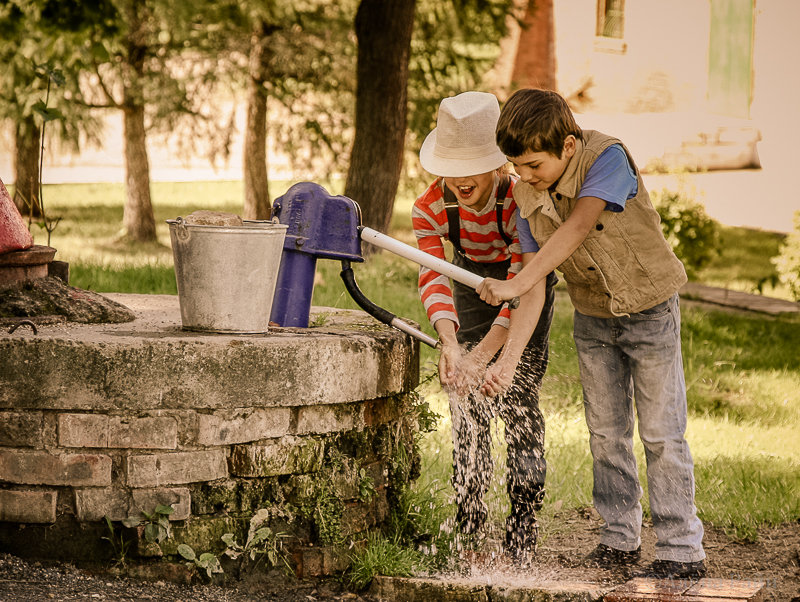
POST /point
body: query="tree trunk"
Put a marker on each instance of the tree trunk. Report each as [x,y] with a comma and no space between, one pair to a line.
[27,193]
[383,29]
[256,183]
[137,218]
[535,64]
[138,221]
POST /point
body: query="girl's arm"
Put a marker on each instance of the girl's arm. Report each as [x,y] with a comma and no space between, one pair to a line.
[450,354]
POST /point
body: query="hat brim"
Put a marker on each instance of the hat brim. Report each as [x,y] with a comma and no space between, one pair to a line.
[456,168]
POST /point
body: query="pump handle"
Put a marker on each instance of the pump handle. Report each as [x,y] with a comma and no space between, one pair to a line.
[426,259]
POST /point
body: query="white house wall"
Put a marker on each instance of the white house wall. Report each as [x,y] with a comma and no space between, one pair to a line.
[661,64]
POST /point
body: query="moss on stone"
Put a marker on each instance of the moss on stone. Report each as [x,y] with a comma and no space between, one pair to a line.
[204,534]
[215,497]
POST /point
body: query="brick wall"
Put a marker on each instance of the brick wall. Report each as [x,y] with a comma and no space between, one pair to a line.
[119,465]
[77,449]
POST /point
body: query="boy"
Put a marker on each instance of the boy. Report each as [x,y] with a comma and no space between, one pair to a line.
[589,214]
[471,204]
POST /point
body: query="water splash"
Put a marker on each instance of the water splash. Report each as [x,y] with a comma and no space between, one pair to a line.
[476,423]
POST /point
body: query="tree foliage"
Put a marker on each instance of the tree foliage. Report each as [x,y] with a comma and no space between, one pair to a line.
[455,43]
[138,65]
[788,260]
[384,39]
[40,38]
[178,69]
[299,57]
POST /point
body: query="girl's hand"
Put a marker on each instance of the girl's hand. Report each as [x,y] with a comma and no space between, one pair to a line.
[498,378]
[449,360]
[495,292]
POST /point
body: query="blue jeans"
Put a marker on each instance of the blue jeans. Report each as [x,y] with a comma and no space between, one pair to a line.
[634,362]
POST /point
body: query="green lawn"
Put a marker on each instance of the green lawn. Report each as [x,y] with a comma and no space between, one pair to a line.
[744,262]
[742,371]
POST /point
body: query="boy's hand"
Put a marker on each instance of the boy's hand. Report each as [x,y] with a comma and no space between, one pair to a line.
[495,292]
[498,378]
[449,360]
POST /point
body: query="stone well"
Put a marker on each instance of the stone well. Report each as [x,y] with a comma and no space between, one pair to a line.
[111,420]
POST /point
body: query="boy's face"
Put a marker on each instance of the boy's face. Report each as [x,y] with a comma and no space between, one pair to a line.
[472,191]
[540,169]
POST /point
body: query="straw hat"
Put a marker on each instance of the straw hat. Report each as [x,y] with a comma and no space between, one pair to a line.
[463,141]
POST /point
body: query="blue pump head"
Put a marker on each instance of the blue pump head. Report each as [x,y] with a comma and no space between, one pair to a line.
[319,225]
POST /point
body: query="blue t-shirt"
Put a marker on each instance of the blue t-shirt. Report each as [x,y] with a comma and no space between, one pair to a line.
[610,178]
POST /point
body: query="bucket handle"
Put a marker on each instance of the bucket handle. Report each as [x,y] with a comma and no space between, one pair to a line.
[181,231]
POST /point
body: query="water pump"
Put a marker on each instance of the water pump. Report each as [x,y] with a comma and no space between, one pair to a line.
[322,225]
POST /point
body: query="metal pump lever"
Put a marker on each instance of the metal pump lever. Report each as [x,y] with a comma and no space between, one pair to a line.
[426,259]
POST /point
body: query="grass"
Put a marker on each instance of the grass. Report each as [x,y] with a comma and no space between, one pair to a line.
[383,556]
[743,263]
[742,370]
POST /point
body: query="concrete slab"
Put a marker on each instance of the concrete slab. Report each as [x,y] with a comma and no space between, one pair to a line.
[686,590]
[495,588]
[152,363]
[541,588]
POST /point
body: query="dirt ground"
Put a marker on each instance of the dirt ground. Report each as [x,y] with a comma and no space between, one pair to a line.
[774,560]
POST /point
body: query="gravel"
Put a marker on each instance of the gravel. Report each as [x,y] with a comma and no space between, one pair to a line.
[23,580]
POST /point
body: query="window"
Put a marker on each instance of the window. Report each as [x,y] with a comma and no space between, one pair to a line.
[610,18]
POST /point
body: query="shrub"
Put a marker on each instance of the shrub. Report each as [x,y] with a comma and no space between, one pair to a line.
[788,260]
[692,234]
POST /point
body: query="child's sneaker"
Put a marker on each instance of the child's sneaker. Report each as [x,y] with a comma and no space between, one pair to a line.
[672,569]
[606,557]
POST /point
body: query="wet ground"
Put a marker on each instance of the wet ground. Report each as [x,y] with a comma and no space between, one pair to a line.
[774,560]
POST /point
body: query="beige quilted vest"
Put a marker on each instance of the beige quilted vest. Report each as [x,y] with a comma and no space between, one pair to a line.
[625,264]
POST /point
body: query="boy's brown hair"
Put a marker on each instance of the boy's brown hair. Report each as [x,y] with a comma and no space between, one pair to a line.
[534,120]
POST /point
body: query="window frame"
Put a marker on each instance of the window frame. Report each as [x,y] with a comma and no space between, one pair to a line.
[606,40]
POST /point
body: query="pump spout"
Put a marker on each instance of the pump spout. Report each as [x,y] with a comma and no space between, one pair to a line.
[380,314]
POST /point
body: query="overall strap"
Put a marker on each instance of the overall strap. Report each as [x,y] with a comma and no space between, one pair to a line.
[454,221]
[502,189]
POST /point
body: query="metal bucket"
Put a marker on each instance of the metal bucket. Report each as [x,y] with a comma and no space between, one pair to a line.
[226,275]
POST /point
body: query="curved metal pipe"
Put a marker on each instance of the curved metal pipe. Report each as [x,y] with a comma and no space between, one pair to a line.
[380,314]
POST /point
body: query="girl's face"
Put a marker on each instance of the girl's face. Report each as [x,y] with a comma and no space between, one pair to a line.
[472,191]
[540,169]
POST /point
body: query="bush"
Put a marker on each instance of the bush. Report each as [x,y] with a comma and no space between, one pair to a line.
[788,261]
[692,234]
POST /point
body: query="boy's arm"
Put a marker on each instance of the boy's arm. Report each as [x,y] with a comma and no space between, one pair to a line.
[429,222]
[558,248]
[490,344]
[523,322]
[427,216]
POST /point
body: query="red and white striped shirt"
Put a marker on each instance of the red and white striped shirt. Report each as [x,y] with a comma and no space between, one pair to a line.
[480,239]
